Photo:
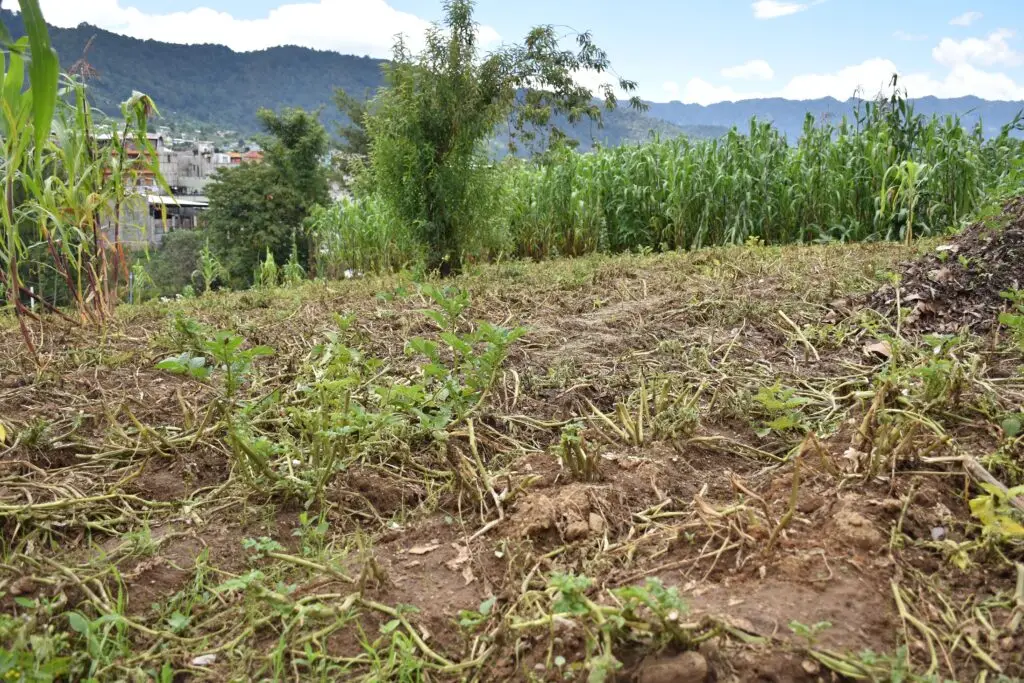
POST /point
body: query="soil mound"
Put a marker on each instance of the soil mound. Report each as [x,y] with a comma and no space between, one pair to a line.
[961,283]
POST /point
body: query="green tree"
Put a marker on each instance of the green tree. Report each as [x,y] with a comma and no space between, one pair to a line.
[429,126]
[260,207]
[355,139]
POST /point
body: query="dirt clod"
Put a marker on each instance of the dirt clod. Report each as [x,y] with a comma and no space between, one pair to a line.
[689,667]
[857,530]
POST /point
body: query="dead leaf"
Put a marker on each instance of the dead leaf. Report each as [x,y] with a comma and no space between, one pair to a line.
[940,275]
[22,586]
[881,349]
[467,575]
[461,557]
[424,549]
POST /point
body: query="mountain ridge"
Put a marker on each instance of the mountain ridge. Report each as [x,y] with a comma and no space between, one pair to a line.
[213,84]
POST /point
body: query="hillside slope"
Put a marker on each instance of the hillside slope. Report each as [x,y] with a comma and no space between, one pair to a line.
[212,84]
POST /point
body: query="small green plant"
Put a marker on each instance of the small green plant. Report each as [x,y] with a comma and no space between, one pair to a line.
[466,367]
[639,613]
[910,177]
[228,356]
[268,275]
[580,465]
[292,272]
[999,519]
[1014,319]
[783,406]
[312,532]
[141,284]
[210,270]
[473,619]
[106,637]
[809,633]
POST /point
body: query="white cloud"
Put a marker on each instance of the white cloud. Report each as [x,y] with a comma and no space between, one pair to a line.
[991,51]
[699,91]
[595,82]
[773,9]
[755,69]
[966,19]
[348,26]
[867,79]
[964,80]
[671,89]
[910,37]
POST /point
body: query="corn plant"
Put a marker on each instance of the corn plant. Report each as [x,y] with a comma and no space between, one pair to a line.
[268,275]
[60,183]
[292,272]
[210,268]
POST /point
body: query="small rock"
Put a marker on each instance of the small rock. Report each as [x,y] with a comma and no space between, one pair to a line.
[204,660]
[689,667]
[857,530]
[938,533]
[810,667]
[596,523]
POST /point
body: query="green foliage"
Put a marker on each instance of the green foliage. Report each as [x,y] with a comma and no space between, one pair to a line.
[355,139]
[783,408]
[172,265]
[292,272]
[429,127]
[60,182]
[186,364]
[998,517]
[364,235]
[268,275]
[878,176]
[256,208]
[210,270]
[640,612]
[227,355]
[1014,319]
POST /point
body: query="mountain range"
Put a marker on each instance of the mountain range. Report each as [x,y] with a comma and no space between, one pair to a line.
[215,86]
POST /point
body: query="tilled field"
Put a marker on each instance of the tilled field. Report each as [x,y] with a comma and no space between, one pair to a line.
[714,466]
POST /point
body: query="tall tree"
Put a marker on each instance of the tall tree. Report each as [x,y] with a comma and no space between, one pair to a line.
[261,206]
[428,127]
[355,139]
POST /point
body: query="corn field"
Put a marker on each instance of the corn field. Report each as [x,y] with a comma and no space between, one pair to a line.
[849,182]
[886,173]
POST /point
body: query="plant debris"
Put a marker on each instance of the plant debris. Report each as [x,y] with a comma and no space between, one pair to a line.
[961,283]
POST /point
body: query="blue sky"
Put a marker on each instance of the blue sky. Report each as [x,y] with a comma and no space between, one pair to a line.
[703,52]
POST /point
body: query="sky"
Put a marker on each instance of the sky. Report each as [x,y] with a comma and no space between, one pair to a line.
[693,51]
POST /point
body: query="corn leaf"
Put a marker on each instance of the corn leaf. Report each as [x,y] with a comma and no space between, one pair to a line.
[43,71]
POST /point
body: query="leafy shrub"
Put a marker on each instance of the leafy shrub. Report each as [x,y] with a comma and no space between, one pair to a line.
[170,266]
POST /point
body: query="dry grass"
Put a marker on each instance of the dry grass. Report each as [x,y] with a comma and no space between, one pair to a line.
[774,456]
